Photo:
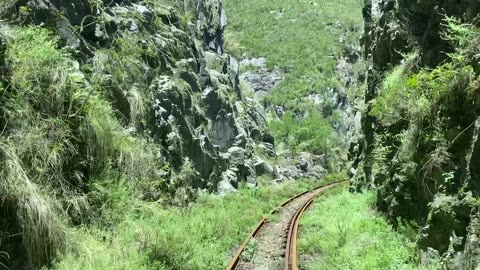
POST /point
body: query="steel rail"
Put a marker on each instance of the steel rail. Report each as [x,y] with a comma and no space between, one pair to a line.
[236,258]
[291,252]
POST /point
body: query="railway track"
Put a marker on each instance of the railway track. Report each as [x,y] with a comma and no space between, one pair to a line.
[277,240]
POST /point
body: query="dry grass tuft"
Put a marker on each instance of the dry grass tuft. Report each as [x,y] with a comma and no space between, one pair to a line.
[43,234]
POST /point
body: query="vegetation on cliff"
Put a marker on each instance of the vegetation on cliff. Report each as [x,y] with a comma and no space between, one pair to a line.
[58,132]
[305,40]
[105,104]
[418,143]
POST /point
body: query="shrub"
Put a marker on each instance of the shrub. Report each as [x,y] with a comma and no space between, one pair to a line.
[61,133]
[464,37]
[416,96]
[312,133]
[40,71]
[397,93]
[122,73]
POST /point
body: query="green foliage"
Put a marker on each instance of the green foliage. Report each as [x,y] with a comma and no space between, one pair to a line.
[414,95]
[380,153]
[312,133]
[148,236]
[182,184]
[113,196]
[464,37]
[122,72]
[43,232]
[40,72]
[246,90]
[61,132]
[439,84]
[336,177]
[232,46]
[273,29]
[386,105]
[109,144]
[49,93]
[341,231]
[397,94]
[416,103]
[32,158]
[137,158]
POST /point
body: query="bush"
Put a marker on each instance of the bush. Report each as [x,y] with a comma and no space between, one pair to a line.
[123,74]
[41,73]
[409,96]
[312,133]
[61,133]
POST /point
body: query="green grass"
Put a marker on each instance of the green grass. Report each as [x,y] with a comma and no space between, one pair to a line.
[60,133]
[342,231]
[414,93]
[302,39]
[148,236]
[311,134]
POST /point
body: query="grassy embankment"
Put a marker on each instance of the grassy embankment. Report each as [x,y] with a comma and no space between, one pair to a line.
[146,236]
[342,231]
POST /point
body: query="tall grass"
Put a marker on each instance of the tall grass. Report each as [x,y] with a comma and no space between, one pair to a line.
[43,232]
[201,236]
[39,70]
[342,231]
[61,133]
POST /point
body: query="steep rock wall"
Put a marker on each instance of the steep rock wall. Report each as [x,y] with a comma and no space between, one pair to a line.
[424,167]
[190,89]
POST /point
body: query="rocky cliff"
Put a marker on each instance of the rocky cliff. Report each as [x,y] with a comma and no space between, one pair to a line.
[133,90]
[418,144]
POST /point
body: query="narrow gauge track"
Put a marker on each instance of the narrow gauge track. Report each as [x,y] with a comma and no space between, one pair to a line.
[278,239]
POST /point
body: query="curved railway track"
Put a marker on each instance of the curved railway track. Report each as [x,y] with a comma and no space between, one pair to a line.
[278,239]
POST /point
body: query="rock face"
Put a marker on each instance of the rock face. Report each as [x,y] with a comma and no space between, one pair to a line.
[190,92]
[432,182]
[258,77]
